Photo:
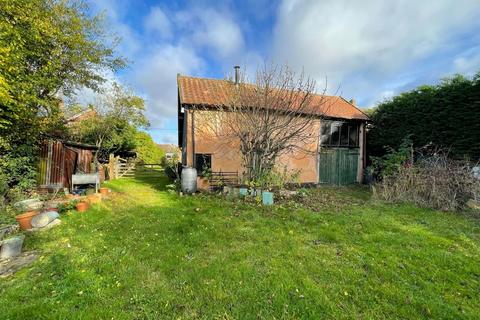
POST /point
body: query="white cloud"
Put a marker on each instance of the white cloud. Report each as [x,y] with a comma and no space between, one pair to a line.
[468,63]
[170,138]
[366,42]
[158,22]
[155,75]
[115,11]
[156,56]
[213,29]
[86,96]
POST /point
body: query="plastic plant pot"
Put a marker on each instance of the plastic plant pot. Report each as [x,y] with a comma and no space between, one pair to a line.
[243,192]
[267,198]
[104,191]
[24,219]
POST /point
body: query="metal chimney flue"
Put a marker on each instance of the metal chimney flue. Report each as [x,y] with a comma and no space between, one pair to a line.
[237,74]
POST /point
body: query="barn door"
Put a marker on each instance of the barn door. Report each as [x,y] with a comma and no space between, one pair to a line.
[338,166]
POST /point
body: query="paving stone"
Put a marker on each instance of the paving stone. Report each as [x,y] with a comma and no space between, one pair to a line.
[10,266]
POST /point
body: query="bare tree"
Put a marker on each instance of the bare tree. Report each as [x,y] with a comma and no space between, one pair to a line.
[276,115]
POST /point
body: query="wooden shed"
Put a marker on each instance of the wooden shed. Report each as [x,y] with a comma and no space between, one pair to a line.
[60,159]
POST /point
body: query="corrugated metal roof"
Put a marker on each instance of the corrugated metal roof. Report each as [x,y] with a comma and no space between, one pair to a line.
[215,92]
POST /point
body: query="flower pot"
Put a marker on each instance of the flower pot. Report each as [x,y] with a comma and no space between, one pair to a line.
[242,192]
[104,191]
[11,247]
[24,219]
[82,206]
[93,198]
[267,198]
[51,209]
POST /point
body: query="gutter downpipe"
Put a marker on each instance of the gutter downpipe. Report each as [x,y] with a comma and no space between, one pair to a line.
[194,165]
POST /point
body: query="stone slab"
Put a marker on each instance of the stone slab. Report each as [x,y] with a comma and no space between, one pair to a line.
[10,266]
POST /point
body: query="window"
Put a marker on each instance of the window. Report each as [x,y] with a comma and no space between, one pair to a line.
[339,134]
[203,162]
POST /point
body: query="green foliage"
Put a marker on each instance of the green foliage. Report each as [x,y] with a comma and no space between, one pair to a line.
[277,179]
[3,189]
[171,167]
[147,150]
[446,115]
[66,207]
[47,48]
[391,162]
[17,170]
[118,115]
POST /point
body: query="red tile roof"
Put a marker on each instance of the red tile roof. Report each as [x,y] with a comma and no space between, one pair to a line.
[215,92]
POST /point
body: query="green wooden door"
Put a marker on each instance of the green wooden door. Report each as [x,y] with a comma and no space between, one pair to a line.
[338,166]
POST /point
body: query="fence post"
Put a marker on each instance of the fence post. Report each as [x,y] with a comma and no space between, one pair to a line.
[111,163]
[116,166]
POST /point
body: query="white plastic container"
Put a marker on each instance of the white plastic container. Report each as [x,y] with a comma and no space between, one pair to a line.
[189,180]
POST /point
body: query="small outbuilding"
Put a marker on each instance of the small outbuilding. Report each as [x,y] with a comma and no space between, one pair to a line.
[60,160]
[337,157]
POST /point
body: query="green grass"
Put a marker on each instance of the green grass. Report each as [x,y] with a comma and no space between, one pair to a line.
[148,254]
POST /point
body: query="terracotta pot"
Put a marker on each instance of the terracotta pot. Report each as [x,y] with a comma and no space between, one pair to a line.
[104,191]
[24,219]
[93,198]
[82,206]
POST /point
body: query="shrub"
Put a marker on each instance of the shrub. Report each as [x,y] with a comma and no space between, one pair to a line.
[435,182]
[3,190]
[277,179]
[393,160]
[445,115]
[172,168]
[18,172]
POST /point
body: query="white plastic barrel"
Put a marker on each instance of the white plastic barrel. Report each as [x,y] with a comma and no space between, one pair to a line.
[189,180]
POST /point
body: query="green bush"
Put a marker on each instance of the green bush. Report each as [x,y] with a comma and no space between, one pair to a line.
[147,150]
[444,115]
[18,172]
[393,160]
[276,179]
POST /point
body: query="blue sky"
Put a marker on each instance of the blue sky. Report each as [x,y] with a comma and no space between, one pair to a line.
[367,50]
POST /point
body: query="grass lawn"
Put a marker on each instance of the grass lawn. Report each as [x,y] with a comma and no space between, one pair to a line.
[148,254]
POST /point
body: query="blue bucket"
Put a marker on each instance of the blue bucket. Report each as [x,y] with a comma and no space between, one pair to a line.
[267,198]
[242,192]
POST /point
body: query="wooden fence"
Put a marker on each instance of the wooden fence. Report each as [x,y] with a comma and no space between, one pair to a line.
[131,168]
